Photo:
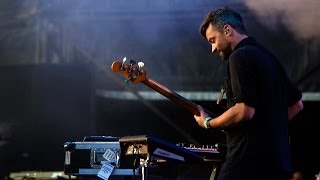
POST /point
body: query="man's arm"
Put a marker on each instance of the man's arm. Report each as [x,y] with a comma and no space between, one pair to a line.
[235,114]
[294,109]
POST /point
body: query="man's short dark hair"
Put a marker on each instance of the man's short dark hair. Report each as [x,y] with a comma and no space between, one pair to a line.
[221,17]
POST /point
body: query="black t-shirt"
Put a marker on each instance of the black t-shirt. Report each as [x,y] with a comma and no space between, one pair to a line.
[258,79]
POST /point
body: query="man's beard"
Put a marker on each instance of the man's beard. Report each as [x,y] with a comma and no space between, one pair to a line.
[226,53]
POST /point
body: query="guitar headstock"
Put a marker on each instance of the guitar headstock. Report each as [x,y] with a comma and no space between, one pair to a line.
[132,71]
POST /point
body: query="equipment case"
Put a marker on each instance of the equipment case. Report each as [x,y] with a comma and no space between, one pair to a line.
[84,157]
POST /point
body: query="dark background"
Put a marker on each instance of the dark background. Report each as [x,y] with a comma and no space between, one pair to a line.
[56,55]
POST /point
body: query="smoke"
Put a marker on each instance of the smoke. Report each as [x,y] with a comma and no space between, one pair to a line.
[301,17]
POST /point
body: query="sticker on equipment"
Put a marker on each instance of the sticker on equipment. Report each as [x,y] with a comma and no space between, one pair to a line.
[106,170]
[110,156]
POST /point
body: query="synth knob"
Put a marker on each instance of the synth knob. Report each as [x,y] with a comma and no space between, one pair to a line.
[192,146]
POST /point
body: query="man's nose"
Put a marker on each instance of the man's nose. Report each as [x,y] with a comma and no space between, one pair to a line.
[213,49]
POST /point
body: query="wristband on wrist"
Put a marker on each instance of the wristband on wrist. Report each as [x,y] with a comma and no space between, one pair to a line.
[206,122]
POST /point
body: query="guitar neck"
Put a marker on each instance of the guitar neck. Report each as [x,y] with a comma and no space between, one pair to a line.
[178,99]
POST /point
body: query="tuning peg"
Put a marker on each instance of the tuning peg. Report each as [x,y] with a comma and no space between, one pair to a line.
[140,64]
[123,65]
[132,62]
[126,81]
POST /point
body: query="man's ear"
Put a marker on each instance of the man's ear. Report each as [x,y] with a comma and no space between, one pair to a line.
[226,29]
